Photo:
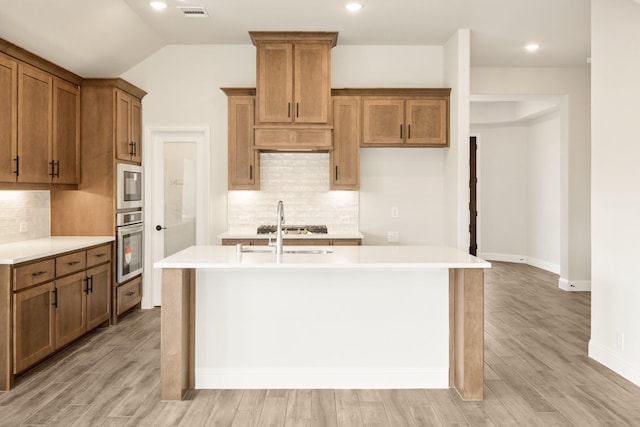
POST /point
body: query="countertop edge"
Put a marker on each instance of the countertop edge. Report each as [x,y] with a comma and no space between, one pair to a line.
[29,250]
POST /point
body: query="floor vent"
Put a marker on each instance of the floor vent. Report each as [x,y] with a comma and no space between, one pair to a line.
[193,11]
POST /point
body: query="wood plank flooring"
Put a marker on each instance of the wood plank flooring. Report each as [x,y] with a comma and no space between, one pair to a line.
[537,373]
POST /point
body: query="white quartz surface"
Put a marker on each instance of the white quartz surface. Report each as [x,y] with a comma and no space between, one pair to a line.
[340,257]
[254,236]
[14,253]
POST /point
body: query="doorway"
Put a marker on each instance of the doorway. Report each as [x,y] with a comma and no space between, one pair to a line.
[177,198]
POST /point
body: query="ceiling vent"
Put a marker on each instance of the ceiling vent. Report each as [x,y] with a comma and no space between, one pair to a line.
[193,11]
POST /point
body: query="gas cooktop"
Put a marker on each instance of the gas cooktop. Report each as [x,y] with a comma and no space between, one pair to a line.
[294,229]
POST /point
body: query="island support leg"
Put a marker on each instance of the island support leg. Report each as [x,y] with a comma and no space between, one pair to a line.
[177,347]
[466,316]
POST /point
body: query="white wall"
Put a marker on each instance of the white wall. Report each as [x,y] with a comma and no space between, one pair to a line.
[183,84]
[615,302]
[519,191]
[572,85]
[502,181]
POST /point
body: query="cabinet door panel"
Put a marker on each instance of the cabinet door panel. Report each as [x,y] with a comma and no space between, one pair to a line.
[345,156]
[100,295]
[123,126]
[70,312]
[383,121]
[66,132]
[427,122]
[136,129]
[243,159]
[8,118]
[312,82]
[33,326]
[34,124]
[275,82]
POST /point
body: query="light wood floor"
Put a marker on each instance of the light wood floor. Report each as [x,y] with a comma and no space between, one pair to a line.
[536,374]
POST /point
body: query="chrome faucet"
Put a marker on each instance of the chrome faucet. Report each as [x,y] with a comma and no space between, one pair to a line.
[280,219]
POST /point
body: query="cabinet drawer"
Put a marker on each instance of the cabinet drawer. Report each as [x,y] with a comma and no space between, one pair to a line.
[98,255]
[128,295]
[32,274]
[71,263]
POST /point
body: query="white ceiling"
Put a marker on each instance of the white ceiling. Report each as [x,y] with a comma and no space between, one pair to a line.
[99,38]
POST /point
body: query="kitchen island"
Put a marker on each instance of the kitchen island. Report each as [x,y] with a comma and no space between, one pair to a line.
[334,317]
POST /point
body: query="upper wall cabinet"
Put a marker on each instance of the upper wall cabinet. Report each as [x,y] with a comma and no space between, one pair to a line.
[403,117]
[39,122]
[39,126]
[243,158]
[293,82]
[128,127]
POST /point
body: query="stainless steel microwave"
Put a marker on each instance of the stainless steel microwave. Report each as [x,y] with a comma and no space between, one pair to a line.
[130,188]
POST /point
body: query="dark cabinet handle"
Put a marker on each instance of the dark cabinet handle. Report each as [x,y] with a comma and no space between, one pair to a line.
[135,148]
[100,255]
[90,283]
[38,273]
[86,291]
[289,109]
[400,131]
[130,293]
[250,171]
[73,263]
[336,173]
[52,164]
[409,132]
[55,298]
[132,149]
[297,109]
[58,169]
[17,171]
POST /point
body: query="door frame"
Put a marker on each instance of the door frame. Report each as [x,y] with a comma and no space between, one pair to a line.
[154,137]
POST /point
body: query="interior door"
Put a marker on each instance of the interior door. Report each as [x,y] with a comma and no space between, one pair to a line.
[179,197]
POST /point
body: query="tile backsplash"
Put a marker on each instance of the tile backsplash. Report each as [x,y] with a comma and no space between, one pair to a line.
[27,209]
[301,181]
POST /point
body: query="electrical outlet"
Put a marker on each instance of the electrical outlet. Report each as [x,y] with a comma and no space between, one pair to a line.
[620,341]
[394,212]
[393,236]
[24,227]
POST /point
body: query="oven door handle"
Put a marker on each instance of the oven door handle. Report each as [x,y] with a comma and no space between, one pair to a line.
[128,229]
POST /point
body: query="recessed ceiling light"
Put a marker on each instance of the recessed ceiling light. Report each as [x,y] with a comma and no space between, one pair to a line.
[532,47]
[353,7]
[158,5]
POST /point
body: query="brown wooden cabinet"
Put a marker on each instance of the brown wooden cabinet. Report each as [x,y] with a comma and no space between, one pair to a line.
[293,82]
[391,121]
[128,122]
[39,126]
[35,110]
[345,156]
[33,326]
[98,307]
[64,155]
[244,173]
[54,301]
[8,118]
[70,305]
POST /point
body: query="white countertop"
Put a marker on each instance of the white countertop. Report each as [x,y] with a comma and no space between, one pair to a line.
[255,236]
[17,252]
[341,257]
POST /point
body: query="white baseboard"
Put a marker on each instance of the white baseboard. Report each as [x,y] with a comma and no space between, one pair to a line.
[522,259]
[574,285]
[614,361]
[322,378]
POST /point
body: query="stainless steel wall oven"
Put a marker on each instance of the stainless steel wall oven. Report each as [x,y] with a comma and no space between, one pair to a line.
[130,245]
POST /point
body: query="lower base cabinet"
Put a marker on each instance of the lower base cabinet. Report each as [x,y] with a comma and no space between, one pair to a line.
[48,316]
[128,295]
[33,333]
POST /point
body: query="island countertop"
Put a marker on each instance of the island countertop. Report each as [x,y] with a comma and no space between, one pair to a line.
[27,250]
[337,257]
